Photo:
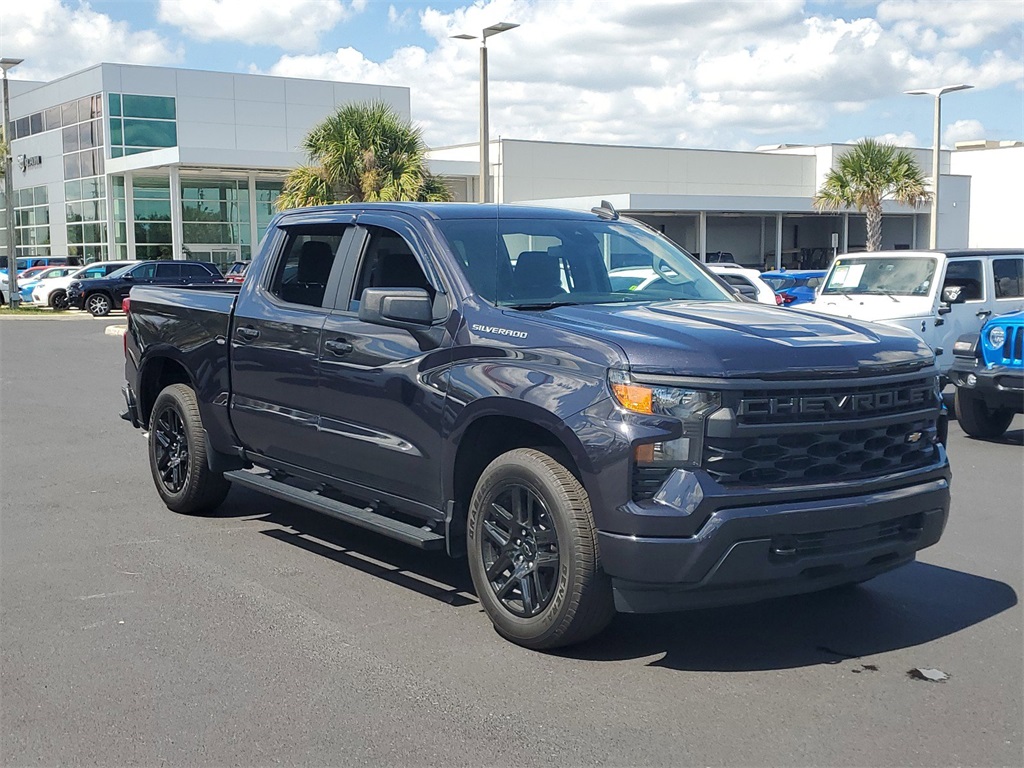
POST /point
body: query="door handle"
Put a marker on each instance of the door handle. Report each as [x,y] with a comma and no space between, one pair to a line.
[983,313]
[337,346]
[247,332]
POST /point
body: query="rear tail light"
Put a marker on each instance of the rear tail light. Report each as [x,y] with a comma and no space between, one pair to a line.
[778,299]
[787,298]
[126,304]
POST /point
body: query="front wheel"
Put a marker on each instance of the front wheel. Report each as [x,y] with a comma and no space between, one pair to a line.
[177,454]
[98,304]
[533,552]
[977,419]
[59,300]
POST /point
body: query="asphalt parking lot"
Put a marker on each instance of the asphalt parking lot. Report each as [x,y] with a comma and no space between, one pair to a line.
[266,635]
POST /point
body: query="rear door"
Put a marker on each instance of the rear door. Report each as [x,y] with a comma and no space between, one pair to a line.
[381,393]
[1007,283]
[275,342]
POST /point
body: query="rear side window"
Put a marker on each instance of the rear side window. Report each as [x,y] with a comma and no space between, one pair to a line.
[195,270]
[1008,277]
[168,271]
[304,268]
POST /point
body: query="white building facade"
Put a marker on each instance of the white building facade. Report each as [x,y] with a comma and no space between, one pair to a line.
[122,161]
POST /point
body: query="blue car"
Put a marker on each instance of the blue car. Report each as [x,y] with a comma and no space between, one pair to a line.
[988,371]
[795,286]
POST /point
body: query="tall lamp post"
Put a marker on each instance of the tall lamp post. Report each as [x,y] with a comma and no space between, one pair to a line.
[12,256]
[485,129]
[933,235]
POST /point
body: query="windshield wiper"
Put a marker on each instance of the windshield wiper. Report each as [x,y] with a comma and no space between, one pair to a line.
[880,292]
[544,305]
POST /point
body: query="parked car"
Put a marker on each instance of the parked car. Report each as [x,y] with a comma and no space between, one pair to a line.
[26,262]
[748,282]
[719,257]
[236,272]
[795,286]
[939,295]
[462,378]
[54,291]
[102,294]
[27,285]
[28,276]
[988,372]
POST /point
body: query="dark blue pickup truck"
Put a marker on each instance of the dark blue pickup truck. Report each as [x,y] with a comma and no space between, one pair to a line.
[465,378]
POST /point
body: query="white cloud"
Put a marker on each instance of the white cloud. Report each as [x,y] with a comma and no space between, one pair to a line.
[670,72]
[398,19]
[56,38]
[963,130]
[904,139]
[950,24]
[294,25]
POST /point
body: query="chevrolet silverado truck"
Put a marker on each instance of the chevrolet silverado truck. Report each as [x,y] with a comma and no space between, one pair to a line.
[465,378]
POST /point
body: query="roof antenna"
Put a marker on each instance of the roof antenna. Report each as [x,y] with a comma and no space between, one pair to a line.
[606,211]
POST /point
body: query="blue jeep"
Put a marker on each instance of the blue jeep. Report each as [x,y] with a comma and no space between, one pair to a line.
[988,371]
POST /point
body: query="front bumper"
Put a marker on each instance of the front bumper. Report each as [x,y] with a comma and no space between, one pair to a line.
[76,300]
[1001,386]
[749,553]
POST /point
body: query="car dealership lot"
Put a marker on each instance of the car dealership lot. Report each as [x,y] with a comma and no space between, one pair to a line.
[130,635]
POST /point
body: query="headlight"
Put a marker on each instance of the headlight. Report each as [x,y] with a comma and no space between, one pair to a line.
[690,406]
[996,336]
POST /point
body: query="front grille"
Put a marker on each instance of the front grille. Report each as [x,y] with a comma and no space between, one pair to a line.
[835,452]
[841,402]
[1013,347]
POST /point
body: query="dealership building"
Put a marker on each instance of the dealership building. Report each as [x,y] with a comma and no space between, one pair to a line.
[123,161]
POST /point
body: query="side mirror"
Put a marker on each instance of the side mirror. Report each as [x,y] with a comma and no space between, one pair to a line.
[409,308]
[128,276]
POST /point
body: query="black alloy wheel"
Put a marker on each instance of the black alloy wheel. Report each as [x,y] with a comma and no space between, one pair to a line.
[59,300]
[520,550]
[171,449]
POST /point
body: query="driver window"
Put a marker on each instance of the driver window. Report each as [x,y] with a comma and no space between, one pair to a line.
[145,271]
[388,262]
[966,275]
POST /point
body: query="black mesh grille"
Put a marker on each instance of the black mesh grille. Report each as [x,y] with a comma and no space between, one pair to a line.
[835,452]
[647,481]
[848,539]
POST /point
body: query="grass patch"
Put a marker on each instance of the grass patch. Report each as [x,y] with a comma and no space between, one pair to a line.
[25,310]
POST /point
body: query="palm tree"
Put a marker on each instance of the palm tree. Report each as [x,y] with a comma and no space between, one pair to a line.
[868,174]
[363,152]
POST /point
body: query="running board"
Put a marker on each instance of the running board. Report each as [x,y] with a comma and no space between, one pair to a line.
[364,518]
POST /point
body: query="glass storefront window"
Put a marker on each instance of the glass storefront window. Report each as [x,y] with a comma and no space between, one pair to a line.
[156,107]
[150,133]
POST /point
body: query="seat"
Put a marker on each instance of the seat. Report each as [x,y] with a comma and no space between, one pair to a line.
[399,270]
[537,275]
[314,268]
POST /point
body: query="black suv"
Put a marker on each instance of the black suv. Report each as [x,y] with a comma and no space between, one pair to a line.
[102,294]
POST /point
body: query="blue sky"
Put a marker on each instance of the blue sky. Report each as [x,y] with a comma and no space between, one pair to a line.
[695,73]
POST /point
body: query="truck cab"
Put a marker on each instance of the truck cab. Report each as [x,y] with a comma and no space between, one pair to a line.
[939,295]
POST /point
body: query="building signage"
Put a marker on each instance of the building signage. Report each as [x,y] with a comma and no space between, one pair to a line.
[29,161]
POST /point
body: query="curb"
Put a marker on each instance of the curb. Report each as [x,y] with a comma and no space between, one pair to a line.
[116,330]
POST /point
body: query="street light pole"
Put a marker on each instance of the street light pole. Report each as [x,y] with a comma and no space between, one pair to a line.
[485,127]
[12,256]
[933,230]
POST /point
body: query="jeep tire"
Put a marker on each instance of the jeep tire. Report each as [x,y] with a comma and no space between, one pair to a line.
[977,419]
[533,552]
[177,454]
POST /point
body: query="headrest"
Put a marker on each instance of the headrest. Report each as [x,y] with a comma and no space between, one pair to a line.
[315,260]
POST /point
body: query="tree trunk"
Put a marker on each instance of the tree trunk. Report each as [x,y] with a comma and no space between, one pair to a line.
[874,225]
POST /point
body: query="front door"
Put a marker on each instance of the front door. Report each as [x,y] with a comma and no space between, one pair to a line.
[276,340]
[382,394]
[968,275]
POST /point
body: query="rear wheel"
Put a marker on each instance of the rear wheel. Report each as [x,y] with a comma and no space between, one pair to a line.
[177,454]
[58,300]
[98,304]
[977,419]
[533,552]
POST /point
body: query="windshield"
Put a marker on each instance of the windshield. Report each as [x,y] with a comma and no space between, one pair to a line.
[882,275]
[538,263]
[121,271]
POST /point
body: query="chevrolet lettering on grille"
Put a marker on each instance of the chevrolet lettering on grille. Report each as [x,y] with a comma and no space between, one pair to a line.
[861,403]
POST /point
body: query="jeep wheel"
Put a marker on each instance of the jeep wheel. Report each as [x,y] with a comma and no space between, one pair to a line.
[59,300]
[533,552]
[98,304]
[177,454]
[977,419]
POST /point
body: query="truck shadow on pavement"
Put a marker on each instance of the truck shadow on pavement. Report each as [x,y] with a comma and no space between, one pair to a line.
[907,607]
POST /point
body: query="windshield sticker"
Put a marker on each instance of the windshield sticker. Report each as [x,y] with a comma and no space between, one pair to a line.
[849,276]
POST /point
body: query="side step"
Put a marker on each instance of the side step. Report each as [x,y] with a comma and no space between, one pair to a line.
[364,518]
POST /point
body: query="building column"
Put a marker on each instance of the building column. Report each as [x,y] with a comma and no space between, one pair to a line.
[846,233]
[129,213]
[778,241]
[760,255]
[913,232]
[702,235]
[254,230]
[177,231]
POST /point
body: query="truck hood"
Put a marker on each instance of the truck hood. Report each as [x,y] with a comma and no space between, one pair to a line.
[740,340]
[873,308]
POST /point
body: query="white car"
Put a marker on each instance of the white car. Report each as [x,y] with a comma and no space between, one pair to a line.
[54,292]
[740,277]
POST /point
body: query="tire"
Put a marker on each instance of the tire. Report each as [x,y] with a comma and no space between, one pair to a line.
[977,419]
[58,300]
[176,440]
[533,552]
[98,304]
